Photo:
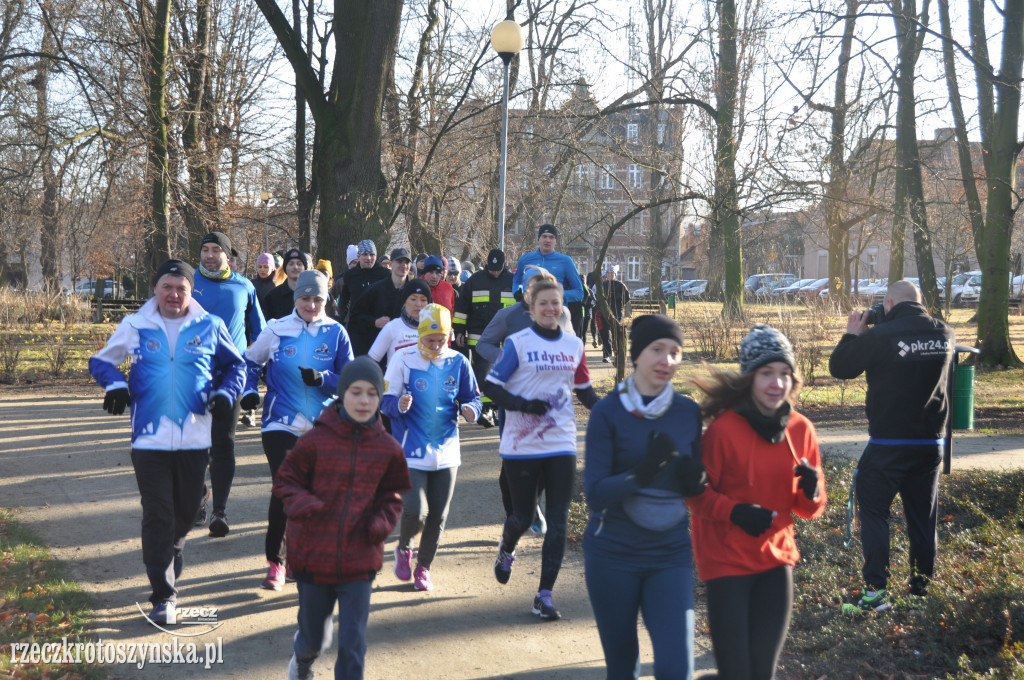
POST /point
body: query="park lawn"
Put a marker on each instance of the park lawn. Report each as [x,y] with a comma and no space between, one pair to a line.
[38,604]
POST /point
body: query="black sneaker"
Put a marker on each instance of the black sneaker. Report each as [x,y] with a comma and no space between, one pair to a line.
[486,419]
[201,515]
[503,565]
[544,607]
[219,525]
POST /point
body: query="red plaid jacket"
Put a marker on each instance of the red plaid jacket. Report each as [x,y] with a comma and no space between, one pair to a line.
[341,486]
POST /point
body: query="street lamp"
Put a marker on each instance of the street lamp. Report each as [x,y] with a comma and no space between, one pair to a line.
[507,41]
[265,197]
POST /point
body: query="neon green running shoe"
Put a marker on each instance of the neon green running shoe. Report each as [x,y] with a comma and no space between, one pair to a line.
[874,600]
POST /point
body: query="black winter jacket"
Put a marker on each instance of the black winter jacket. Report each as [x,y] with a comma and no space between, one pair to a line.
[907,359]
[479,299]
[380,299]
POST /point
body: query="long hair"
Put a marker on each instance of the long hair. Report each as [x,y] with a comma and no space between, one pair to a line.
[724,389]
[545,280]
[279,275]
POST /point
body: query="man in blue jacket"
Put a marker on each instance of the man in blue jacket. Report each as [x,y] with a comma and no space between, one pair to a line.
[231,297]
[559,264]
[185,371]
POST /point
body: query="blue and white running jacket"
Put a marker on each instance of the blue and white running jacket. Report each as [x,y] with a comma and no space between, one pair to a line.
[429,430]
[289,343]
[169,393]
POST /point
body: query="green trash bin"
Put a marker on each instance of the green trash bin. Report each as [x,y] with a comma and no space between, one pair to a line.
[963,397]
[671,300]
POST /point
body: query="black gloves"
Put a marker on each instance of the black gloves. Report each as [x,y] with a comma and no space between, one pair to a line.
[518,295]
[220,407]
[692,476]
[661,451]
[312,377]
[250,401]
[537,407]
[114,401]
[808,479]
[753,519]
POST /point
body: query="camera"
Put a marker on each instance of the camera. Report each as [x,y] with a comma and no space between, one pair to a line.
[876,314]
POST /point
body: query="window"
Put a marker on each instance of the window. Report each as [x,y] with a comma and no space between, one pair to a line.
[661,133]
[633,268]
[632,132]
[583,266]
[607,181]
[582,174]
[633,173]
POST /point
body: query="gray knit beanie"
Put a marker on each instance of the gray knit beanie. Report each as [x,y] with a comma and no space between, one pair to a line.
[764,345]
[360,368]
[310,282]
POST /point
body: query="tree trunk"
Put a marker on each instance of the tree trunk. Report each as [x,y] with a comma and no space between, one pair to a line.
[193,208]
[726,198]
[160,247]
[304,202]
[49,231]
[911,209]
[993,306]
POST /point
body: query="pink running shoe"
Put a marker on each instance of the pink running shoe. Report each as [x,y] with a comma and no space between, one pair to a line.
[275,577]
[423,581]
[403,564]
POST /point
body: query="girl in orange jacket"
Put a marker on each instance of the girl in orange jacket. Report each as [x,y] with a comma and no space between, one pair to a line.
[763,466]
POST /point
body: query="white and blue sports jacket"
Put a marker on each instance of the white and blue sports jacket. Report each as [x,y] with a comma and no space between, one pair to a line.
[289,343]
[169,392]
[429,430]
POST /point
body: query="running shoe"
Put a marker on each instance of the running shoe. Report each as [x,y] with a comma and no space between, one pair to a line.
[544,607]
[275,577]
[219,525]
[874,600]
[422,576]
[201,515]
[298,670]
[403,564]
[503,564]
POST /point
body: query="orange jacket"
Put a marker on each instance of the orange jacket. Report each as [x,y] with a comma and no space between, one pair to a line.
[745,468]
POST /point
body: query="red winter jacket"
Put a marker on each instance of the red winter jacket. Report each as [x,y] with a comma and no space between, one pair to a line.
[745,468]
[341,486]
[443,294]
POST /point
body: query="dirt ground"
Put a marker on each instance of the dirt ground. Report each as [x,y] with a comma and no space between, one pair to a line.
[68,476]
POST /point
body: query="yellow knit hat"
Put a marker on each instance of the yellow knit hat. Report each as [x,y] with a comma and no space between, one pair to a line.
[435,318]
[326,268]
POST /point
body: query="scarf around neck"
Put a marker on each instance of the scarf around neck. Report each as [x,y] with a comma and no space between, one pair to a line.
[633,401]
[222,275]
[409,321]
[773,427]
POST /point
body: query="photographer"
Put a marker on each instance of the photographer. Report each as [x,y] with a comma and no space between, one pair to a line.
[907,356]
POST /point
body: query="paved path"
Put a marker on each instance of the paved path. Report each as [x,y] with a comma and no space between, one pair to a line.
[68,475]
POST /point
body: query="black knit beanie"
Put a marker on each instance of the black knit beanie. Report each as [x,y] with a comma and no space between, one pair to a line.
[416,286]
[220,238]
[764,345]
[650,327]
[360,368]
[547,229]
[177,268]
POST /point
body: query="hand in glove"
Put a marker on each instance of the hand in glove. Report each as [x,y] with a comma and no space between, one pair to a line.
[537,407]
[250,401]
[692,476]
[661,450]
[312,377]
[808,479]
[753,519]
[114,401]
[220,407]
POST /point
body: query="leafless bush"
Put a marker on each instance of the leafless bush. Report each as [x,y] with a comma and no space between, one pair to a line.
[711,335]
[24,307]
[57,354]
[10,355]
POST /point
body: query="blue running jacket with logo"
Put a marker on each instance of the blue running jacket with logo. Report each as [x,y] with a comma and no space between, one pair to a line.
[170,392]
[429,430]
[289,343]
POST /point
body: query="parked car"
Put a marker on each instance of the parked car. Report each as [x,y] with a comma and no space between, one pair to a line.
[857,285]
[694,289]
[867,293]
[673,287]
[971,292]
[763,284]
[809,293]
[787,292]
[87,289]
[957,286]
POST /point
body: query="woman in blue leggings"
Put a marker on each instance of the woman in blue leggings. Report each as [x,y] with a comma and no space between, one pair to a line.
[643,459]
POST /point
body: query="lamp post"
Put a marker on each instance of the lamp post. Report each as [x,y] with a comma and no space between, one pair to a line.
[265,197]
[507,41]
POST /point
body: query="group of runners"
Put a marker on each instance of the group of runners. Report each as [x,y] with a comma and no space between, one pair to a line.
[354,451]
